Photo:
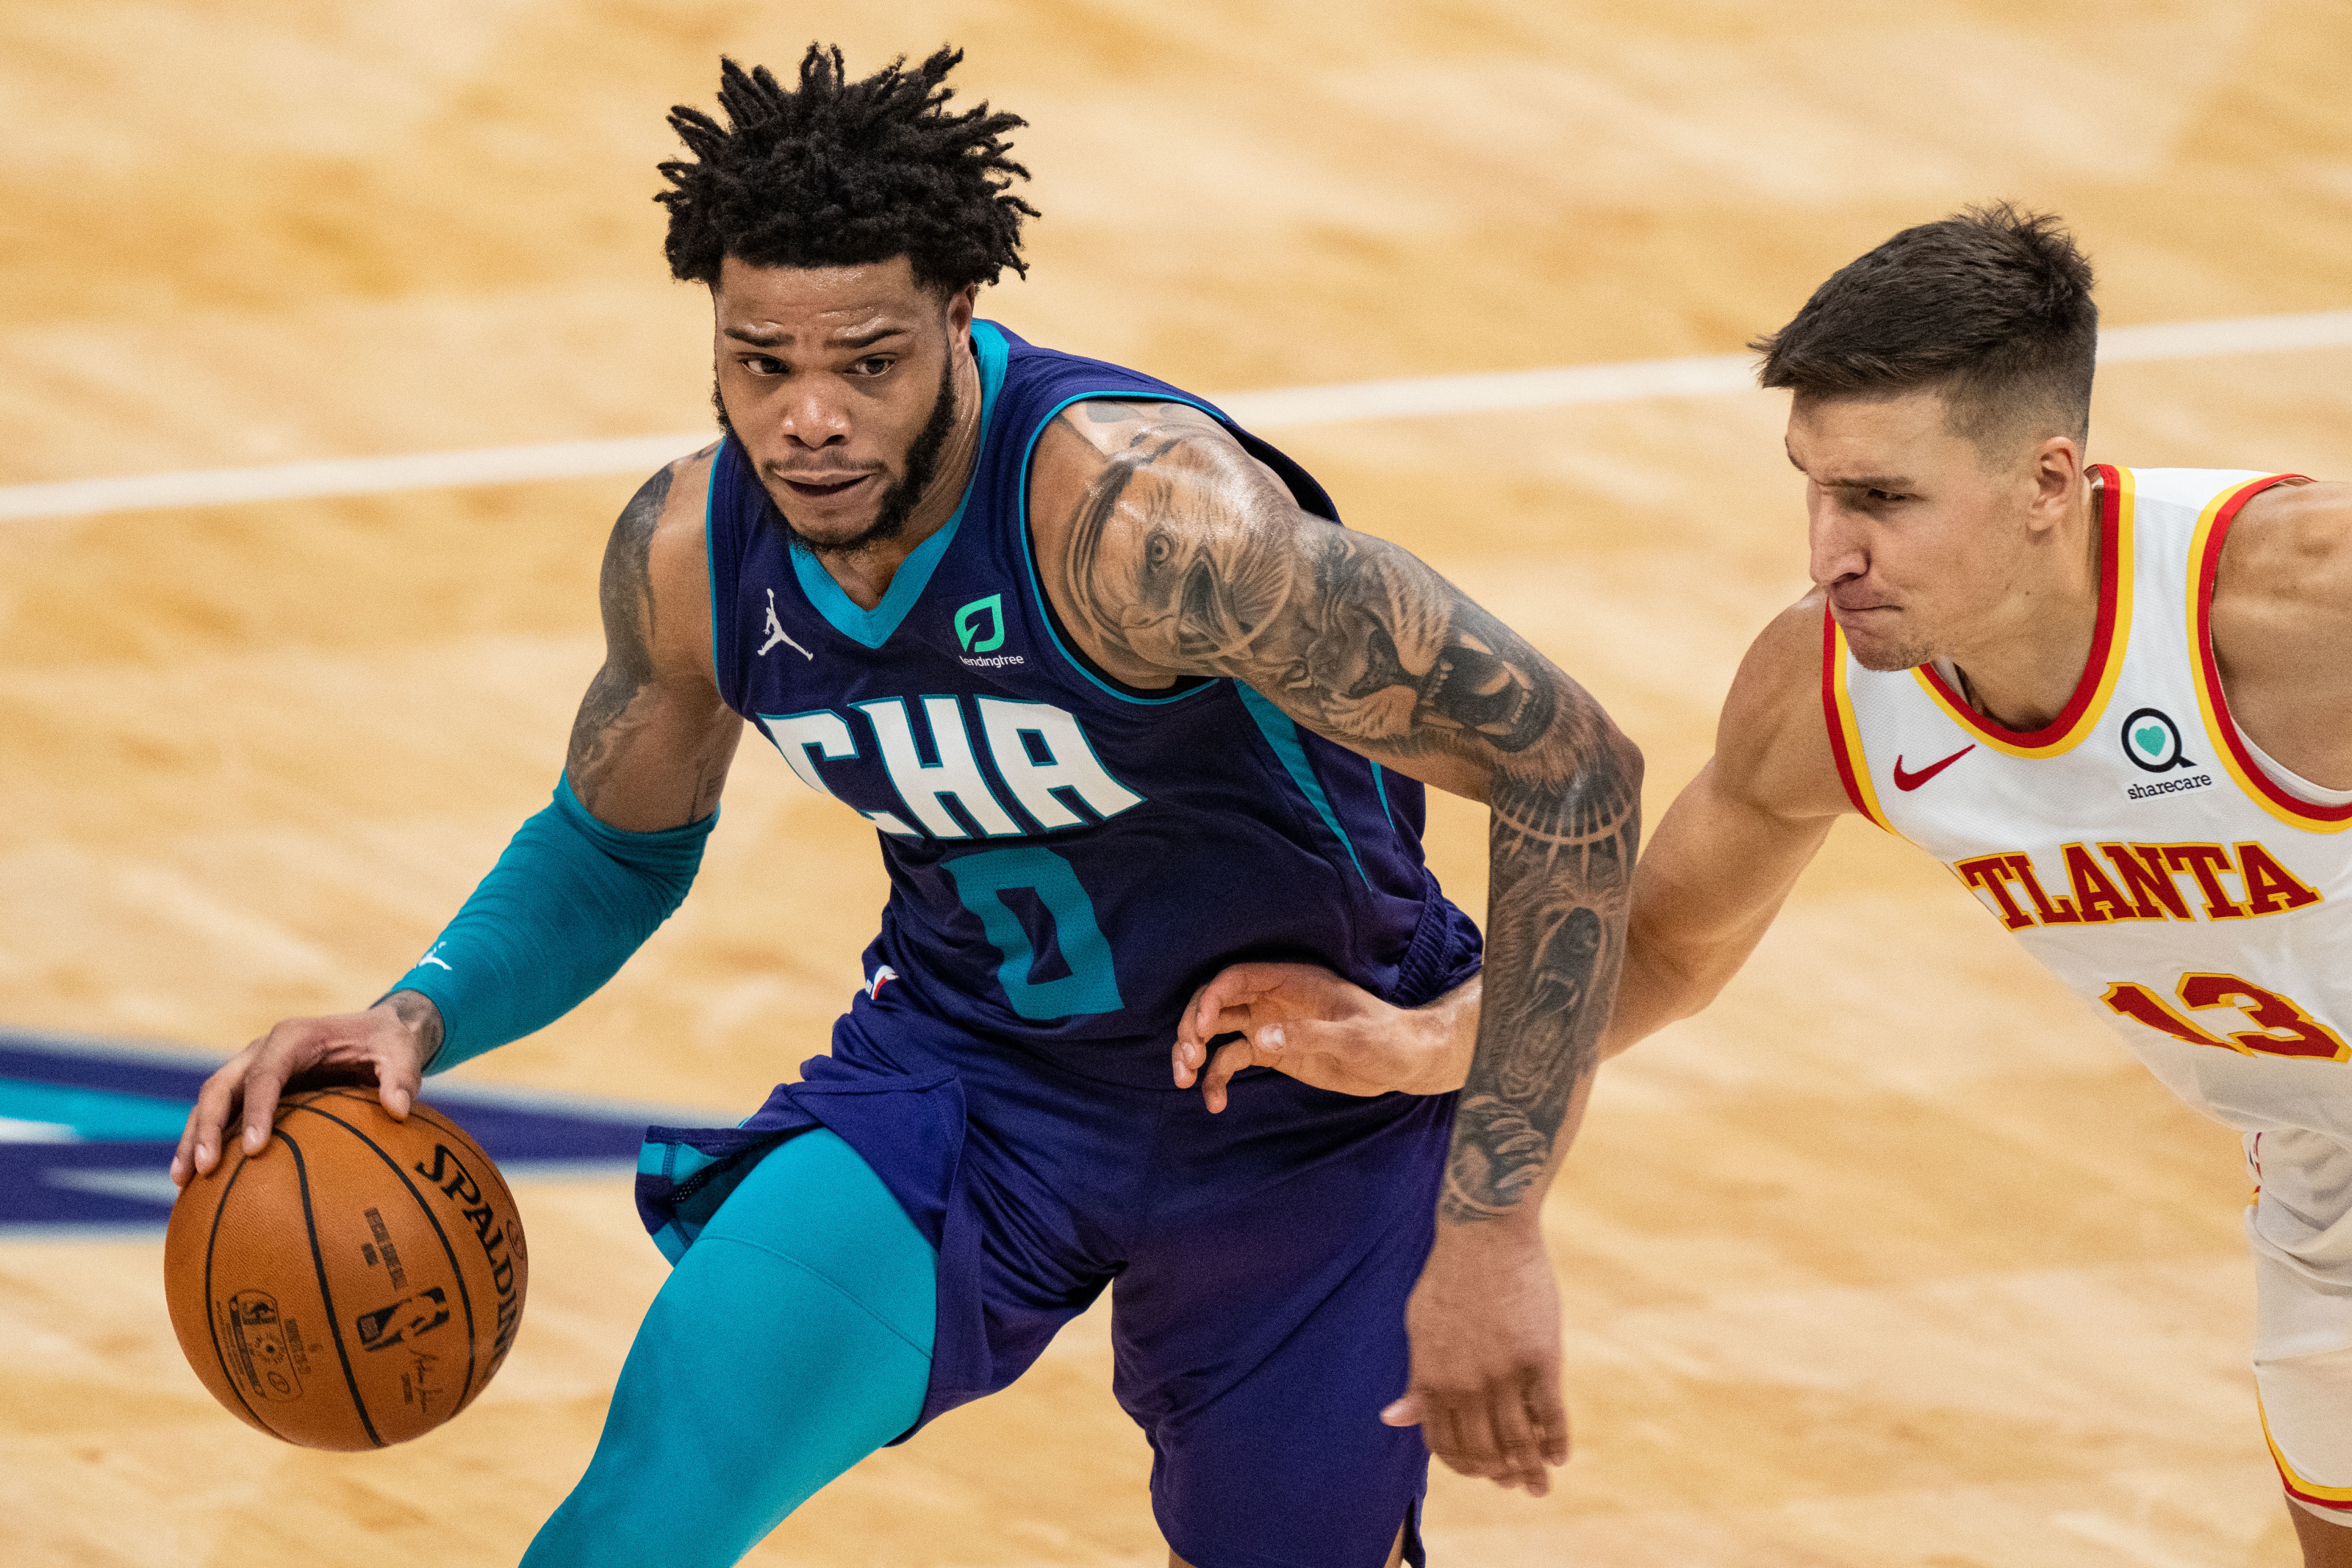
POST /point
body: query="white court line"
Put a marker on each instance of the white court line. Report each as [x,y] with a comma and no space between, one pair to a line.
[1560,387]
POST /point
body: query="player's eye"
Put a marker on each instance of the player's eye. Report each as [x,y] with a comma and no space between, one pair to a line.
[763,365]
[871,365]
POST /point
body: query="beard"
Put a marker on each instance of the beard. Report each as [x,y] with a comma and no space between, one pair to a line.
[918,469]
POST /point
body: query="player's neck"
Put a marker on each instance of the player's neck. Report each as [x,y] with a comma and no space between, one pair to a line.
[2021,667]
[865,574]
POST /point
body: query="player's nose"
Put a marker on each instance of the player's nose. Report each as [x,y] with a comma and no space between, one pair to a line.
[1836,544]
[814,419]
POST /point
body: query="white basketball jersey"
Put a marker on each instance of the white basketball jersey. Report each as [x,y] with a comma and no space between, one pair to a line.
[2136,845]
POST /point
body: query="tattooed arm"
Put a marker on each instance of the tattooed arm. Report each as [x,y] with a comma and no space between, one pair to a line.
[649,750]
[653,741]
[1169,552]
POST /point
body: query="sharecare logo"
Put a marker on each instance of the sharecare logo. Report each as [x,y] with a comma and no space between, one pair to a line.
[2148,791]
[2151,741]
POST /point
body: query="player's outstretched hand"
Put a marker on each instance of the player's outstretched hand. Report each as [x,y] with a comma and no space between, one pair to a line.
[1484,1323]
[388,1046]
[1305,1020]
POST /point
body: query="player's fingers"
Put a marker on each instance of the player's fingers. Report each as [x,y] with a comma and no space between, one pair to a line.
[287,1049]
[208,1123]
[183,1156]
[397,1082]
[1404,1412]
[1184,1061]
[262,1085]
[1231,1058]
[1548,1412]
[1499,1443]
[1518,1448]
[1229,988]
[1447,1427]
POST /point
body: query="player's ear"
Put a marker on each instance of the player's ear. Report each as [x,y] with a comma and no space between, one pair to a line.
[2055,472]
[960,306]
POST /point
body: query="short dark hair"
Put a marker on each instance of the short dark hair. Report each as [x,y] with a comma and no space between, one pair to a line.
[842,173]
[1992,306]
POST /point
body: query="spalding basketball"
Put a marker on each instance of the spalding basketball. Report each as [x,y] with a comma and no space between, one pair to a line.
[353,1285]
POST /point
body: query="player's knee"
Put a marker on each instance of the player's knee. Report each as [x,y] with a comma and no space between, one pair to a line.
[816,1203]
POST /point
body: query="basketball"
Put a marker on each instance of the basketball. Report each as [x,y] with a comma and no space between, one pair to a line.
[355,1284]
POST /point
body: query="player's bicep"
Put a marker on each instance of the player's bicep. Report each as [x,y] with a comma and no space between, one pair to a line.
[1372,649]
[1717,865]
[652,741]
[1181,555]
[1736,838]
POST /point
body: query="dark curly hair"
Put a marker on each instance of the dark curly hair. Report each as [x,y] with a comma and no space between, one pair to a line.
[1990,306]
[843,173]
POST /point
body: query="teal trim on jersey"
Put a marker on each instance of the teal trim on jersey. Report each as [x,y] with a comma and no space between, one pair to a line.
[1036,589]
[1282,736]
[1381,784]
[872,627]
[710,558]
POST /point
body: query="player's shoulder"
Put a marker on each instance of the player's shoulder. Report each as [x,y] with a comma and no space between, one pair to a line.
[679,491]
[667,511]
[1771,744]
[658,541]
[1171,458]
[1096,434]
[2286,534]
[2285,574]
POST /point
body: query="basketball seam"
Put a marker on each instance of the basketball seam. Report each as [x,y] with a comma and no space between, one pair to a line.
[212,1241]
[457,1271]
[318,1264]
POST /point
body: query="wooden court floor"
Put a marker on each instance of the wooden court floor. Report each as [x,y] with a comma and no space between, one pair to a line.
[1893,1257]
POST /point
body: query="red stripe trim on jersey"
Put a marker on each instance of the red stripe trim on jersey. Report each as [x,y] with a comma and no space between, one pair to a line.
[2204,569]
[1846,735]
[2099,670]
[2335,1500]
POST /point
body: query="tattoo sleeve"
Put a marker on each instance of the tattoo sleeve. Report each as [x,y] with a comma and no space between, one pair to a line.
[626,592]
[1184,556]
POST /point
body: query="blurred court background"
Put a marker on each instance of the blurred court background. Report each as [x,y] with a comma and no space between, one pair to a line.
[1893,1257]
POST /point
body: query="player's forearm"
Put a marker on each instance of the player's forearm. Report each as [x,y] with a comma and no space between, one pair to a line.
[1666,980]
[1707,889]
[1560,880]
[1657,985]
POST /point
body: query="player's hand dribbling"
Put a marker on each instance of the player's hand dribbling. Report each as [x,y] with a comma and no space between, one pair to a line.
[1305,1020]
[388,1046]
[1484,1323]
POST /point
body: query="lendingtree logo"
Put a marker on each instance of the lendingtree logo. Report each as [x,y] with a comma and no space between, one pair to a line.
[980,625]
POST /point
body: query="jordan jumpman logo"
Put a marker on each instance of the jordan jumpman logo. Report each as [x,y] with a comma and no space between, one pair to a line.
[776,633]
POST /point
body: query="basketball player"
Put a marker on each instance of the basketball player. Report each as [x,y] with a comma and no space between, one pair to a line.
[2116,703]
[1125,703]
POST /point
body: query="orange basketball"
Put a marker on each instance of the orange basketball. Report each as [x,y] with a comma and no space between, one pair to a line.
[353,1285]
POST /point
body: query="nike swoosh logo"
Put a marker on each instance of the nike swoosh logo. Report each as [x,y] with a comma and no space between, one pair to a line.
[1906,782]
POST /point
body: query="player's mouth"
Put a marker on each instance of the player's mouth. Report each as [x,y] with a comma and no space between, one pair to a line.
[820,487]
[1844,608]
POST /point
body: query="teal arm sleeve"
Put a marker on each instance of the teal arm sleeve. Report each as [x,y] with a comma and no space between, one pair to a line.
[557,917]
